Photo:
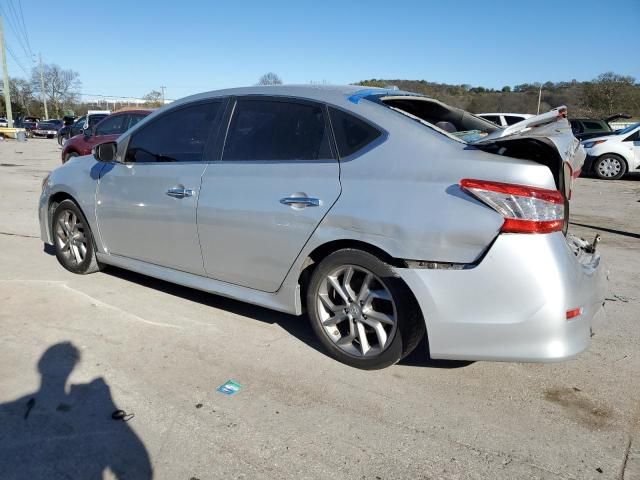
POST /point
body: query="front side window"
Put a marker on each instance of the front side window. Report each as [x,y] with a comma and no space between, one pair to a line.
[352,134]
[493,118]
[277,130]
[112,126]
[177,136]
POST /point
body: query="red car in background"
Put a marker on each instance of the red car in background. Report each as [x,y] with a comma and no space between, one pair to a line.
[108,130]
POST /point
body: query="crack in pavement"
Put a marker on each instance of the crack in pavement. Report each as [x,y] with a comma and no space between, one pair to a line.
[23,235]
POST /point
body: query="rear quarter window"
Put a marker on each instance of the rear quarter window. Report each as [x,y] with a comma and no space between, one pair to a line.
[512,119]
[352,134]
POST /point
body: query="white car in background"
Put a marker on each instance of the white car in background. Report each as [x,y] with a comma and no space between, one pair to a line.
[3,122]
[610,157]
[505,119]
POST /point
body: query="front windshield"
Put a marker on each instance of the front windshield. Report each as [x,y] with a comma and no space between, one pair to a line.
[624,131]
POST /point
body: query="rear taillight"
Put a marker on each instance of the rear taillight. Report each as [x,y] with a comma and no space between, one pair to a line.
[525,209]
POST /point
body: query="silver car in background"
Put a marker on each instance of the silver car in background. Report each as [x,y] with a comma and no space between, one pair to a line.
[385,215]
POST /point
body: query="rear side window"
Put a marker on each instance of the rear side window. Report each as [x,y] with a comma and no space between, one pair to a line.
[277,130]
[178,136]
[94,119]
[352,134]
[594,126]
[511,120]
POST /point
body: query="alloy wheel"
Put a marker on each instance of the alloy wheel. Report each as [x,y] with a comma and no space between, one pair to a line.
[71,238]
[357,311]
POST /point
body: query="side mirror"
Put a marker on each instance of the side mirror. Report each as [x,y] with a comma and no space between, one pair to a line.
[87,132]
[105,152]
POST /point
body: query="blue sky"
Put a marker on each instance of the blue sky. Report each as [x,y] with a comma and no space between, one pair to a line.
[128,48]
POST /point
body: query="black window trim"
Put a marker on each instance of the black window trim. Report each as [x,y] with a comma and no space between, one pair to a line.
[231,107]
[212,138]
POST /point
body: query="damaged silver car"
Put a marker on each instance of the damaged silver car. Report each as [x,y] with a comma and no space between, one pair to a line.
[386,216]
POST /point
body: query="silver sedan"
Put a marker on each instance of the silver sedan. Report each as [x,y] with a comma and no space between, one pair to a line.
[387,216]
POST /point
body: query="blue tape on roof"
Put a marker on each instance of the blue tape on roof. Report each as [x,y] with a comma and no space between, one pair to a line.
[360,94]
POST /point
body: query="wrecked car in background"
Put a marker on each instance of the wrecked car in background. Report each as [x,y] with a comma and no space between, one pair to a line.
[383,214]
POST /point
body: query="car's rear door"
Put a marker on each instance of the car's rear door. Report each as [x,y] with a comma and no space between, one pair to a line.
[276,180]
[146,206]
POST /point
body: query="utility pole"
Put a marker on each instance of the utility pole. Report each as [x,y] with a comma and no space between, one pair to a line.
[44,94]
[162,87]
[5,79]
[539,98]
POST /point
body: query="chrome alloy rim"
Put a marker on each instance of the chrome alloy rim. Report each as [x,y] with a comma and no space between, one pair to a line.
[356,311]
[609,167]
[70,237]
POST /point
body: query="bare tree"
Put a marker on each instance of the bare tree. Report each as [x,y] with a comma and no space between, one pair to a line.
[61,87]
[609,93]
[270,78]
[153,98]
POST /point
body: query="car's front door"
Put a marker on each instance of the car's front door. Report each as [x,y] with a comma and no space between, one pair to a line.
[146,205]
[277,179]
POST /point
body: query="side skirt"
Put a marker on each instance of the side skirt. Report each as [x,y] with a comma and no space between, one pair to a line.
[287,299]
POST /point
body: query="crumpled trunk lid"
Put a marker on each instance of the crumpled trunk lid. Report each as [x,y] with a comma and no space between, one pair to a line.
[539,138]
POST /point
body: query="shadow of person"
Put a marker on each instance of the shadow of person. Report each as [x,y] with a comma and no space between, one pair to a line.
[57,433]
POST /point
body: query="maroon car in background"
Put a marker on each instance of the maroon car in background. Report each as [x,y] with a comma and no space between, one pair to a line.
[106,131]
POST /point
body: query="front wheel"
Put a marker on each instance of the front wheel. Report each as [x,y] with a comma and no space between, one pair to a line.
[610,167]
[73,239]
[361,311]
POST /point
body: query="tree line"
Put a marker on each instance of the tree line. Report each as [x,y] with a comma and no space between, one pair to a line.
[607,94]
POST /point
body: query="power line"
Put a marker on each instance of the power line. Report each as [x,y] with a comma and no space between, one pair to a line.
[24,27]
[17,33]
[15,59]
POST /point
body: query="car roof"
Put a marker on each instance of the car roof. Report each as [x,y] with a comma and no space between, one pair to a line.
[506,113]
[589,119]
[138,110]
[335,94]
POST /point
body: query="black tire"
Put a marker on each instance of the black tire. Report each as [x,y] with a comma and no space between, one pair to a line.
[88,262]
[409,324]
[609,167]
[60,139]
[69,156]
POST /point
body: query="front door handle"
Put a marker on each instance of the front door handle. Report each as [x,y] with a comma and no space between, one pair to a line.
[180,192]
[300,202]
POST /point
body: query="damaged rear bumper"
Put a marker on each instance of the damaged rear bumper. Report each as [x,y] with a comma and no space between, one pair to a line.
[513,305]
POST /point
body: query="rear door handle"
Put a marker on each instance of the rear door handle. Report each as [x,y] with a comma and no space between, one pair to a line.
[180,192]
[300,202]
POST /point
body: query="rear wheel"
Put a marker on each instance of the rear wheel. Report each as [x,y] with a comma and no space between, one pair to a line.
[73,240]
[362,313]
[610,167]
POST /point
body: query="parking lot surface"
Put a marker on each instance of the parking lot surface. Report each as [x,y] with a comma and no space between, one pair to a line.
[159,351]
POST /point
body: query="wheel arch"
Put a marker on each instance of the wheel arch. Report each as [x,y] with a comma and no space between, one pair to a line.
[55,200]
[320,252]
